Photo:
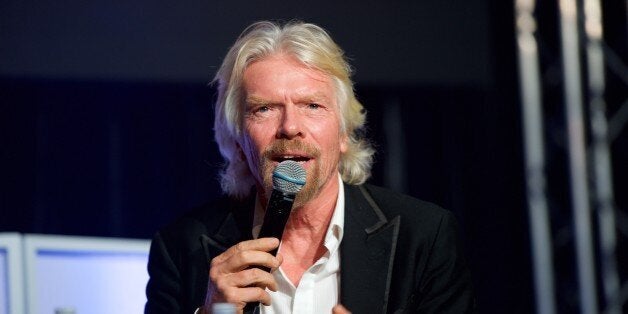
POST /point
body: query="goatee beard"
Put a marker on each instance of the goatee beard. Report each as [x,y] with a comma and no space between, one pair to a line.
[283,146]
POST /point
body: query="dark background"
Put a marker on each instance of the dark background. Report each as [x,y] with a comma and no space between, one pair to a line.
[106,117]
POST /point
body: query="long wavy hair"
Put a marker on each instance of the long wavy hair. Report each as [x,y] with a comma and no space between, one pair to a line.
[311,45]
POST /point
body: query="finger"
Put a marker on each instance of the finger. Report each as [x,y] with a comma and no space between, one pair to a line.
[257,244]
[234,271]
[279,258]
[262,244]
[252,277]
[246,259]
[242,296]
[340,309]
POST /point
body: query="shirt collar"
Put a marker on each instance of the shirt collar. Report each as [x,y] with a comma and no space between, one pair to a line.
[337,223]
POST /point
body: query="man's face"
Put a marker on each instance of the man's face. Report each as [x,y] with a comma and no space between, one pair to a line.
[291,113]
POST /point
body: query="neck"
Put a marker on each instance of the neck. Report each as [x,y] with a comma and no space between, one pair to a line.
[303,238]
[314,216]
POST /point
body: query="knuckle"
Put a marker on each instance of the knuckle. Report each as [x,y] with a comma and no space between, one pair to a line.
[258,273]
[222,287]
[273,261]
[262,294]
[213,277]
[252,275]
[245,256]
[213,274]
[214,262]
[231,296]
[240,247]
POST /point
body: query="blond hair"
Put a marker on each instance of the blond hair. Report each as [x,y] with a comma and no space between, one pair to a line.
[311,45]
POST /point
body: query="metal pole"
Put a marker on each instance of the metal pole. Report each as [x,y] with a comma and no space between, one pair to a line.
[530,89]
[602,182]
[577,156]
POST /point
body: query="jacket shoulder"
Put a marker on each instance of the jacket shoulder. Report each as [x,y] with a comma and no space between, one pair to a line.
[420,221]
[393,203]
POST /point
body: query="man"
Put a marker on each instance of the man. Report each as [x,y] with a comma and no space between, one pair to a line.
[285,93]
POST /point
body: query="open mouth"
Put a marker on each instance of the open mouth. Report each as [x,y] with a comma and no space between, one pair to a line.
[296,158]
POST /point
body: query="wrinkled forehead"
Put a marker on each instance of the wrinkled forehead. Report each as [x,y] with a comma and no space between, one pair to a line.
[285,74]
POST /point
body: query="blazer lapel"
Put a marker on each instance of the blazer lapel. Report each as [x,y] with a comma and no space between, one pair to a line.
[367,253]
[235,227]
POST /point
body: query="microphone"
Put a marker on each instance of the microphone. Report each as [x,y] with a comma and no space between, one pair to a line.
[288,179]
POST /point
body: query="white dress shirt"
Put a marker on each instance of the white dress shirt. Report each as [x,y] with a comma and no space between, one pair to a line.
[319,288]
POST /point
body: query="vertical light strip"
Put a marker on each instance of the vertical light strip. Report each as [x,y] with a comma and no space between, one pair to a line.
[601,165]
[530,90]
[577,156]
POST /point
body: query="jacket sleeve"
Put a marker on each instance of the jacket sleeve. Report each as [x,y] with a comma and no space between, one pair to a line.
[446,287]
[163,290]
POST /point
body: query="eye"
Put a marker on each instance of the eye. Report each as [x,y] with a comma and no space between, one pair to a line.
[313,106]
[261,109]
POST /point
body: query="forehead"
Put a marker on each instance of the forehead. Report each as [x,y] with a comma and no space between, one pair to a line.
[284,76]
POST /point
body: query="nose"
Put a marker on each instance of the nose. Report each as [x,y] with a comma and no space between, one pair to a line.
[290,125]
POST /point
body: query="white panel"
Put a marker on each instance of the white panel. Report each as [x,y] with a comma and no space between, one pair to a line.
[89,275]
[11,274]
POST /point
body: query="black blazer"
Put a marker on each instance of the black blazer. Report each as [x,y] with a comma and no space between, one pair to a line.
[398,255]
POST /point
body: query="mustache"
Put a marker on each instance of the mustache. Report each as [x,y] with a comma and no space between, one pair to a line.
[284,146]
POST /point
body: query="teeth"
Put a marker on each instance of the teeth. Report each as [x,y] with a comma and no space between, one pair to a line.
[293,157]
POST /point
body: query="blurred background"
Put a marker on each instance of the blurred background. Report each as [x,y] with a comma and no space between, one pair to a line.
[106,122]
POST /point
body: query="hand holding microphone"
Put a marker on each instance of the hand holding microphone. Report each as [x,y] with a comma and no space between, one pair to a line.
[241,274]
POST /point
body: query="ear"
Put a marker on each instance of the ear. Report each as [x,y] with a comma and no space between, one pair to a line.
[344,143]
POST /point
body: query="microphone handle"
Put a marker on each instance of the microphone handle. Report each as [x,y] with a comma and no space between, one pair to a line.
[277,213]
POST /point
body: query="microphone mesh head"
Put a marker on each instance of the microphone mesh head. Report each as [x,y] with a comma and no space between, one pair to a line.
[289,177]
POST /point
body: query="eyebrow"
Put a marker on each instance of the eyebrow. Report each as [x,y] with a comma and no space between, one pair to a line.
[318,96]
[254,100]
